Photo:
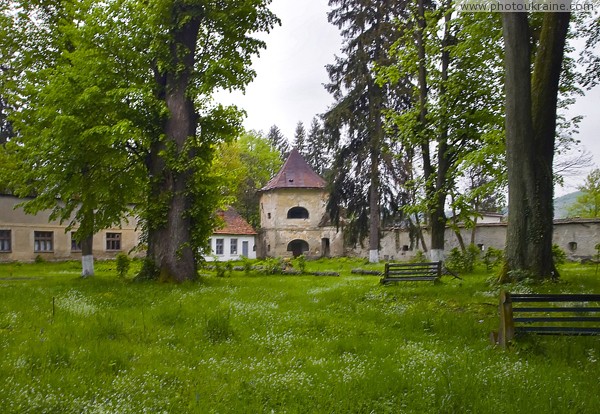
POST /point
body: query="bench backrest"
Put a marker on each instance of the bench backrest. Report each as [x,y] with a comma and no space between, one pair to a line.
[413,269]
[548,314]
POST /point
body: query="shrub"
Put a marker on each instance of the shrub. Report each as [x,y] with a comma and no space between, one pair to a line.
[300,263]
[219,269]
[460,261]
[492,258]
[39,259]
[419,257]
[123,263]
[273,265]
[247,265]
[558,254]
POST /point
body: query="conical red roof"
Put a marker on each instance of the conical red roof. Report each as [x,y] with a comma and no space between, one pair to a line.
[295,173]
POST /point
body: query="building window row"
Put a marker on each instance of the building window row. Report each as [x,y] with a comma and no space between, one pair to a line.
[43,242]
[234,247]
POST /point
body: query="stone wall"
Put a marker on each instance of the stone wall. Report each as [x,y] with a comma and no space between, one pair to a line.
[277,230]
[577,237]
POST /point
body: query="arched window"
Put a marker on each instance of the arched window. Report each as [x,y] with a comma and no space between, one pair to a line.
[297,213]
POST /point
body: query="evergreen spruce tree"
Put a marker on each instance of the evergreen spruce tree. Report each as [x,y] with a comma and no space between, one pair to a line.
[368,31]
[317,149]
[300,138]
[279,141]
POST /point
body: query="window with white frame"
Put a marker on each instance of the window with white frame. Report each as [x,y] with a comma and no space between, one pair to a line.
[113,241]
[233,247]
[219,243]
[5,241]
[43,241]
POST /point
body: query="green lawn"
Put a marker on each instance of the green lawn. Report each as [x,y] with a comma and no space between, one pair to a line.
[250,343]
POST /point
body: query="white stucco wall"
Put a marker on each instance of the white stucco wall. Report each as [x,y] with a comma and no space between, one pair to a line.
[227,253]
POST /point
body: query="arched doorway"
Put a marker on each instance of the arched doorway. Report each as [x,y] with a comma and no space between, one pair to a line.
[297,247]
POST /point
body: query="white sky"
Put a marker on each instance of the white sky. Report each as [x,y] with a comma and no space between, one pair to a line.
[291,72]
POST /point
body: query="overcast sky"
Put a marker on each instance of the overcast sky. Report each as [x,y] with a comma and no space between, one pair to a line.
[291,72]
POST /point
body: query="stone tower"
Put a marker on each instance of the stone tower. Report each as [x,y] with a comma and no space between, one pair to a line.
[292,214]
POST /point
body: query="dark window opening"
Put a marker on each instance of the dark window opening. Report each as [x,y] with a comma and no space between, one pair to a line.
[75,245]
[113,241]
[219,243]
[5,245]
[297,247]
[572,246]
[297,213]
[43,241]
[405,248]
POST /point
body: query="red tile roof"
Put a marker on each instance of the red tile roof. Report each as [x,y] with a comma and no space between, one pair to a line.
[234,223]
[295,173]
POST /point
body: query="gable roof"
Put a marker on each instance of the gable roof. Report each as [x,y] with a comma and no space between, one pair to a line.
[234,223]
[295,173]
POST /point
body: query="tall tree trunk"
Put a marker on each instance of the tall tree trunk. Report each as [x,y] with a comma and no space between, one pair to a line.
[169,226]
[438,198]
[87,244]
[530,131]
[375,150]
[87,256]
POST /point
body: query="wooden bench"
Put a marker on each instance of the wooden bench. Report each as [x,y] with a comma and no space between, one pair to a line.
[412,272]
[547,314]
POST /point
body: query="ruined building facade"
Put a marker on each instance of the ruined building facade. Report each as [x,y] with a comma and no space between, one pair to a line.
[292,214]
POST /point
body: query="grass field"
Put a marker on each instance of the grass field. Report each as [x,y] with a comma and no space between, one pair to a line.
[250,343]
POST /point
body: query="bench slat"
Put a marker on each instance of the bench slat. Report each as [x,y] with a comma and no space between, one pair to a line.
[557,309]
[408,279]
[563,330]
[555,298]
[558,319]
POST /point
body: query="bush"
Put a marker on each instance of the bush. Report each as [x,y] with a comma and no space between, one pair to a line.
[492,258]
[273,266]
[419,257]
[220,269]
[300,263]
[247,265]
[463,262]
[123,263]
[558,254]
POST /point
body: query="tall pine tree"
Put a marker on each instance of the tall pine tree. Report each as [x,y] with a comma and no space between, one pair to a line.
[358,112]
[279,141]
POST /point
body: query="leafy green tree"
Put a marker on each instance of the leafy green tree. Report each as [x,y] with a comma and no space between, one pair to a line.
[358,113]
[199,47]
[72,143]
[587,204]
[244,167]
[454,122]
[533,71]
[164,58]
